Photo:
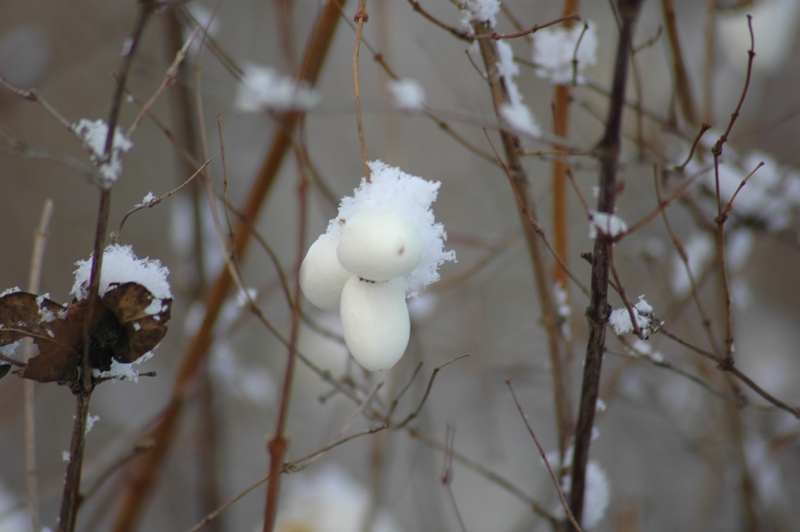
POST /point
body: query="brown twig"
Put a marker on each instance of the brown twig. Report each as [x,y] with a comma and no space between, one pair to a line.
[34,278]
[83,388]
[491,35]
[446,477]
[685,262]
[597,314]
[361,17]
[518,180]
[489,474]
[147,468]
[553,477]
[278,445]
[721,213]
[683,87]
[170,77]
[158,199]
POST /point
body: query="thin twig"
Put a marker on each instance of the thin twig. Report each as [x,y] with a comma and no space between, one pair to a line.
[518,180]
[147,468]
[361,17]
[685,262]
[489,474]
[447,473]
[556,483]
[682,84]
[170,78]
[422,401]
[488,35]
[158,199]
[721,213]
[84,386]
[34,278]
[278,445]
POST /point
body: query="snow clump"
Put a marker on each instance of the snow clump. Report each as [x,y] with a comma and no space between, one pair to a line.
[554,49]
[93,134]
[264,88]
[120,265]
[407,94]
[383,246]
[647,322]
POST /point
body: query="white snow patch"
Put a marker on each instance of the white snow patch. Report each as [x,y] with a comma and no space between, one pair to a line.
[520,118]
[515,113]
[479,11]
[94,135]
[620,319]
[90,421]
[554,49]
[407,94]
[608,224]
[264,88]
[120,265]
[411,197]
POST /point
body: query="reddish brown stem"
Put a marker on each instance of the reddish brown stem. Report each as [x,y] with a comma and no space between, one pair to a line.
[518,179]
[145,470]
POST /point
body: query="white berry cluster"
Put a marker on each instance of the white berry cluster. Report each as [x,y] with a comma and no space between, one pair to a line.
[383,246]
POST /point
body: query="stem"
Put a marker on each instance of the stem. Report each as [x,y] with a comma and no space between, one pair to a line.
[518,180]
[682,86]
[598,311]
[83,388]
[560,207]
[40,240]
[361,17]
[145,470]
[278,445]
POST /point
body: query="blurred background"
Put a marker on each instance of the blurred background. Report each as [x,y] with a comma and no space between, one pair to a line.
[676,456]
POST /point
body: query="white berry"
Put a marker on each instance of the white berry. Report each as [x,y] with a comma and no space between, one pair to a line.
[379,245]
[321,276]
[376,322]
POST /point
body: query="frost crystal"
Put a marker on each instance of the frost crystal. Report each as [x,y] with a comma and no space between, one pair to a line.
[554,50]
[120,265]
[608,224]
[122,372]
[408,94]
[146,200]
[94,139]
[620,319]
[263,88]
[90,421]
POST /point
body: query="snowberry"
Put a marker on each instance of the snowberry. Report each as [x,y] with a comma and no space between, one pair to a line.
[321,276]
[376,322]
[379,245]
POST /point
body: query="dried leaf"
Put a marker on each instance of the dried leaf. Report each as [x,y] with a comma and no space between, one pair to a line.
[129,323]
[143,318]
[53,329]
